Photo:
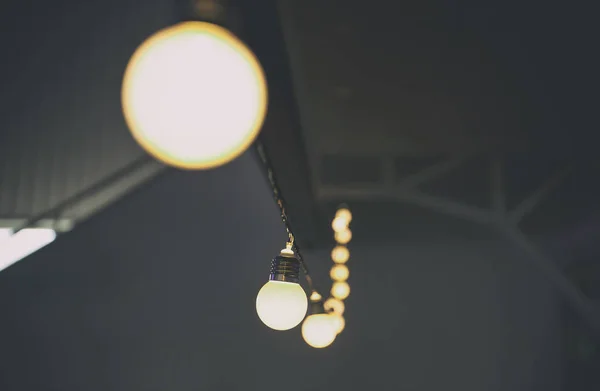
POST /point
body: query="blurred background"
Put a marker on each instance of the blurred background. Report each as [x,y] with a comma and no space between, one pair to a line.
[422,116]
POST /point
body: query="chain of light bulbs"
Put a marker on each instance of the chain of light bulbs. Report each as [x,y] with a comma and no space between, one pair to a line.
[183,62]
[281,303]
[339,272]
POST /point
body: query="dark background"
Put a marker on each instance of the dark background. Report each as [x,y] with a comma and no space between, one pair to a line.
[157,291]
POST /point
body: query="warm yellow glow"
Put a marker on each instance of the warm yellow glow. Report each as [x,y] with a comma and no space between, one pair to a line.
[340,323]
[339,273]
[334,305]
[343,237]
[319,330]
[281,305]
[194,96]
[340,290]
[344,214]
[340,254]
[315,296]
[339,224]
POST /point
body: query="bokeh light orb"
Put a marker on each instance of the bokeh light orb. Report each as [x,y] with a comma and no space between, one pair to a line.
[340,290]
[340,254]
[344,214]
[339,272]
[344,236]
[194,96]
[334,305]
[319,330]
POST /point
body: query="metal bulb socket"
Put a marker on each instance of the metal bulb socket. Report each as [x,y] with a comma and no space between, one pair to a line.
[285,267]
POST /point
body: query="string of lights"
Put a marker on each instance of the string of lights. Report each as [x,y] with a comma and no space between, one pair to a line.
[195,63]
[279,200]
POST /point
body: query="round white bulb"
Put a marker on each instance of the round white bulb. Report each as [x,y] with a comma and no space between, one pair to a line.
[194,96]
[281,305]
[319,330]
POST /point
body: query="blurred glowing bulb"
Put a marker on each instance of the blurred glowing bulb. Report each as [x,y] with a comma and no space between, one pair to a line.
[281,305]
[345,214]
[339,224]
[343,237]
[340,290]
[340,254]
[194,96]
[339,323]
[334,305]
[319,330]
[339,273]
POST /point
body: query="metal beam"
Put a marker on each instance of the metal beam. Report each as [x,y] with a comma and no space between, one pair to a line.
[414,197]
[528,204]
[430,173]
[498,187]
[584,305]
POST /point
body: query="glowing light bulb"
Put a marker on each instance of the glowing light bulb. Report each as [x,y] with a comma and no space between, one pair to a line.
[281,305]
[340,290]
[339,322]
[344,214]
[343,237]
[194,96]
[319,330]
[340,254]
[339,224]
[339,273]
[334,305]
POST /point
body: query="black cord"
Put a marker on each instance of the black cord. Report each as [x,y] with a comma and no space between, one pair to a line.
[279,200]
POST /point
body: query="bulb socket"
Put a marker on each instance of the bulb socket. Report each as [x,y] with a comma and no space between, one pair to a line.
[316,307]
[285,267]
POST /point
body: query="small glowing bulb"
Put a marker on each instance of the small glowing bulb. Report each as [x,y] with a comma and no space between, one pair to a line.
[315,296]
[343,237]
[340,254]
[318,330]
[345,214]
[194,96]
[339,273]
[281,305]
[339,224]
[339,322]
[340,290]
[334,305]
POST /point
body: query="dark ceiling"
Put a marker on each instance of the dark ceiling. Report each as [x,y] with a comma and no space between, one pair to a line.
[387,90]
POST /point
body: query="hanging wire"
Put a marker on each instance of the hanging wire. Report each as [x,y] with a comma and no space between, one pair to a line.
[279,200]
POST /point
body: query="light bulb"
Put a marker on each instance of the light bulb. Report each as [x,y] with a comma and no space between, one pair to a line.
[344,214]
[194,96]
[344,236]
[340,290]
[339,224]
[319,330]
[334,305]
[339,321]
[339,272]
[340,254]
[281,303]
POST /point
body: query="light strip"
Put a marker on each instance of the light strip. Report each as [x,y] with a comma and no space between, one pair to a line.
[25,242]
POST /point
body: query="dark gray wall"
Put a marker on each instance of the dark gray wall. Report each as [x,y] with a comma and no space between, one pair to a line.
[157,293]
